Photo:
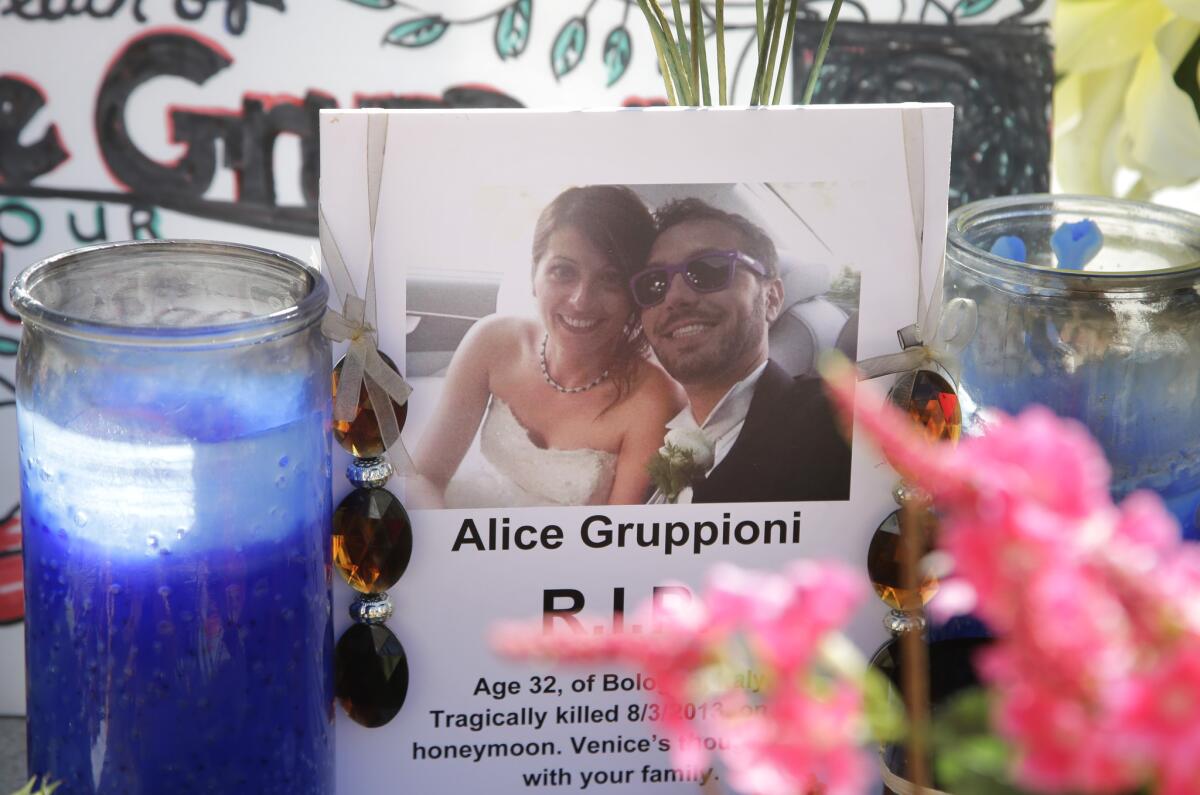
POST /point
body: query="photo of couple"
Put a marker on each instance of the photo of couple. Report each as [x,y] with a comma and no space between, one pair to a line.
[668,356]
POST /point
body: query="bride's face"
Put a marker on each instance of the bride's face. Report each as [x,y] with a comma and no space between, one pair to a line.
[581,295]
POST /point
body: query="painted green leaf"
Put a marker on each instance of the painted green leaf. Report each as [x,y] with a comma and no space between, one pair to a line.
[618,48]
[417,32]
[379,4]
[568,46]
[8,346]
[970,8]
[512,29]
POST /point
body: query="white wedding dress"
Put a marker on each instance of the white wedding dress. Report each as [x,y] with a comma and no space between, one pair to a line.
[523,474]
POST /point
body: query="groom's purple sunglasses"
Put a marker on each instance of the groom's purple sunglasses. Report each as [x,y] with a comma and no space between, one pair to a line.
[710,272]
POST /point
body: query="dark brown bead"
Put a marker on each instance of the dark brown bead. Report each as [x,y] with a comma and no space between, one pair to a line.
[361,437]
[372,540]
[370,674]
[884,565]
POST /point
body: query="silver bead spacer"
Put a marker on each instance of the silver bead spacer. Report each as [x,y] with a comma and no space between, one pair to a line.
[904,492]
[371,608]
[369,473]
[901,622]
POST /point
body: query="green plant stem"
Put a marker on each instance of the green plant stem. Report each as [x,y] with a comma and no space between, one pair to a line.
[676,69]
[787,51]
[685,50]
[694,45]
[764,93]
[763,48]
[678,61]
[814,73]
[699,47]
[659,42]
[722,86]
[760,30]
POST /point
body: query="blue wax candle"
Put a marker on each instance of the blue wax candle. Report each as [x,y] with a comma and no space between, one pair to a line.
[173,413]
[177,639]
[1099,322]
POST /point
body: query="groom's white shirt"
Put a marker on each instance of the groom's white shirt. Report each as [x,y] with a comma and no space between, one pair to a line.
[722,426]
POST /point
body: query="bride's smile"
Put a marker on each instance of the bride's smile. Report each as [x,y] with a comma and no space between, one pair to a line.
[577,324]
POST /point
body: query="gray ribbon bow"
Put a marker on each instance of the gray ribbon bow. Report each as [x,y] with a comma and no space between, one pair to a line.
[355,323]
[941,331]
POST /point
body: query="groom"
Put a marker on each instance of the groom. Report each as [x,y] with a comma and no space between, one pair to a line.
[708,294]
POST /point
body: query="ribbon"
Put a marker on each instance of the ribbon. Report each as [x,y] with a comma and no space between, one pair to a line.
[902,786]
[941,331]
[355,323]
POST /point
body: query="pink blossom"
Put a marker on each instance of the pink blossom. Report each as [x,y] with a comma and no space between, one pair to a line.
[799,742]
[1095,671]
[786,614]
[806,726]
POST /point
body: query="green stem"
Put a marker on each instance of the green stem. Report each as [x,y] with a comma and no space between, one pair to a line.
[700,46]
[722,87]
[787,51]
[760,30]
[764,46]
[685,49]
[678,69]
[660,43]
[764,93]
[819,59]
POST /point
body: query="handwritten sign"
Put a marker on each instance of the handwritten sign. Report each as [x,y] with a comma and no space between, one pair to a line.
[128,119]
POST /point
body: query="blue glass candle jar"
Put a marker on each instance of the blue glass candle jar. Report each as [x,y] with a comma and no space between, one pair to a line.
[173,415]
[1115,344]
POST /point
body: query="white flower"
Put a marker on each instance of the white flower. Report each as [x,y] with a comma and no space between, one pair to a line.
[694,441]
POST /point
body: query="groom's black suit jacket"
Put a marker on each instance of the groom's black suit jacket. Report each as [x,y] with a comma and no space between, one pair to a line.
[790,447]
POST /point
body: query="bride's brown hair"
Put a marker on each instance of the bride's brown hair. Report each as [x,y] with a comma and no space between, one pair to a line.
[615,221]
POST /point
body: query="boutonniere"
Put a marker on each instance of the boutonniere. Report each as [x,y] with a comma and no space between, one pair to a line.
[685,456]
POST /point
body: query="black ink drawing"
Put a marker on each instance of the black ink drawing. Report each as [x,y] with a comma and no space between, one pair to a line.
[20,100]
[999,78]
[513,24]
[246,136]
[237,12]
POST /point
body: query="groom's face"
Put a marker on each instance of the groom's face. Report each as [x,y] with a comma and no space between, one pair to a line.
[717,336]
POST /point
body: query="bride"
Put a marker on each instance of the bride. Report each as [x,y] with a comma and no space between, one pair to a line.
[571,408]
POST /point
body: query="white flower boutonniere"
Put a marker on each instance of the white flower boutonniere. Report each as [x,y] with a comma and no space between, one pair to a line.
[685,456]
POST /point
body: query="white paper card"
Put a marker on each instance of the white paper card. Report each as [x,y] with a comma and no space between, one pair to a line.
[474,304]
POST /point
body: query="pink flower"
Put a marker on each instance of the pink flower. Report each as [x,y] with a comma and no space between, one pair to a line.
[806,725]
[786,614]
[1095,671]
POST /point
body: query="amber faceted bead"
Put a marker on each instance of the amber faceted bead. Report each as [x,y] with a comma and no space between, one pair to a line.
[885,561]
[370,674]
[372,540]
[931,402]
[361,437]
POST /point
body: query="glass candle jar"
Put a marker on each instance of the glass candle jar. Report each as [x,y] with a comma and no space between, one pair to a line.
[1115,345]
[173,415]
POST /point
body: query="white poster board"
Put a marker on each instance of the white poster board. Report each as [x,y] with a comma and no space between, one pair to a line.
[281,60]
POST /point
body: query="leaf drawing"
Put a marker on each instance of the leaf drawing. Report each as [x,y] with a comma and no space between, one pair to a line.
[618,48]
[970,8]
[419,32]
[512,29]
[379,4]
[568,47]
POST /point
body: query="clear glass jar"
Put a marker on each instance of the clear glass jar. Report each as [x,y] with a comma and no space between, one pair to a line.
[1116,345]
[173,414]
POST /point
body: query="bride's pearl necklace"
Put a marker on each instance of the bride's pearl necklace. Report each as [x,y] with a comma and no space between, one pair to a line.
[566,390]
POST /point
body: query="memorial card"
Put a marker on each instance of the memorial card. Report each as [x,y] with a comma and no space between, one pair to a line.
[611,322]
